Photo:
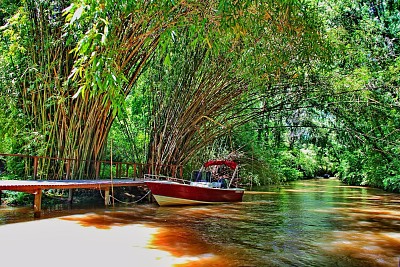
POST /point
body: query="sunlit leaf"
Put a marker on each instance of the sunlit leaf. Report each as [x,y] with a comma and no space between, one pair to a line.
[77,14]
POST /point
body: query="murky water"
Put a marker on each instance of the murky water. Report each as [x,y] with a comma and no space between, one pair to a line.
[307,223]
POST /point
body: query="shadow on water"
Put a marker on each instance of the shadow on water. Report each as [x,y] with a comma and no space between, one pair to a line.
[306,223]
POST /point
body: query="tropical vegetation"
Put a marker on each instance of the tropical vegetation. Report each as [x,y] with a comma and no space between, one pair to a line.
[291,89]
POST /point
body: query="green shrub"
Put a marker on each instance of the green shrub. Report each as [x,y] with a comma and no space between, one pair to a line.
[392,183]
[13,198]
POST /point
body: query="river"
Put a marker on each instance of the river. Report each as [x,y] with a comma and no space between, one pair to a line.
[306,223]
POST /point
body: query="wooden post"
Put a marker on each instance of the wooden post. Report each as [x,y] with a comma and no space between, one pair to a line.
[70,195]
[0,197]
[173,167]
[117,170]
[106,196]
[37,206]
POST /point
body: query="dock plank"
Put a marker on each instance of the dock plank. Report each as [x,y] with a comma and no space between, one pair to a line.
[34,185]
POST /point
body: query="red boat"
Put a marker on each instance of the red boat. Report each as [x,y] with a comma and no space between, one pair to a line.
[209,185]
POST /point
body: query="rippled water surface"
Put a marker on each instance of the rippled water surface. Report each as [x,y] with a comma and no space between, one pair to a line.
[307,223]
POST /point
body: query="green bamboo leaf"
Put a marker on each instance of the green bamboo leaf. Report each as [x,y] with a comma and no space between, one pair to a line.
[67,9]
[123,78]
[67,12]
[99,83]
[167,60]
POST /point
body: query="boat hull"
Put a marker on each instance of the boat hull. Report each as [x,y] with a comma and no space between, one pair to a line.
[169,193]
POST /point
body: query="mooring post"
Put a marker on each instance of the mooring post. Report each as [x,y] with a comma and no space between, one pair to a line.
[150,197]
[70,195]
[37,205]
[107,196]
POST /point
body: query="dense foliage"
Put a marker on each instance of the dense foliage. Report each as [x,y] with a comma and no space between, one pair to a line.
[291,89]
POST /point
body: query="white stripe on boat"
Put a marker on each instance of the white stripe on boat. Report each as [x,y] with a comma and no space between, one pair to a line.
[171,201]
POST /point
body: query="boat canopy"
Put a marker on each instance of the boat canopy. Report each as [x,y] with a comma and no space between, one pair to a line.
[229,163]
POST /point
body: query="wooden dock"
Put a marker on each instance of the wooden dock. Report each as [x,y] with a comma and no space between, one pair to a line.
[35,187]
[61,175]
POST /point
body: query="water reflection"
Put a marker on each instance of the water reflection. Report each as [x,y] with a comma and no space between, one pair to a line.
[307,223]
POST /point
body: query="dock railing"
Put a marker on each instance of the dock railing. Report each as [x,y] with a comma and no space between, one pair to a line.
[160,177]
[63,168]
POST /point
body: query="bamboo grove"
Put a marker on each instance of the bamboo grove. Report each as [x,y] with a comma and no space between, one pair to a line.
[290,88]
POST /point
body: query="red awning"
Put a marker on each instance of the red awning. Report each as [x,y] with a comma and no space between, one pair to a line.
[230,164]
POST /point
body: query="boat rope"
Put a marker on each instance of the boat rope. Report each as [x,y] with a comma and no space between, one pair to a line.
[111,174]
[124,202]
[109,201]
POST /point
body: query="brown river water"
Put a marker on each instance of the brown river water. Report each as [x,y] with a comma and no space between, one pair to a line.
[306,223]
